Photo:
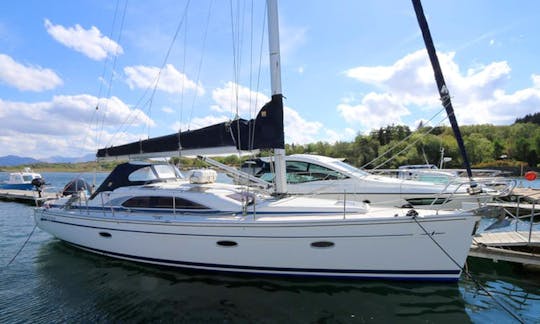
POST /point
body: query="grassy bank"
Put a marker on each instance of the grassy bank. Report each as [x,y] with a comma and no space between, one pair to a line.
[63,167]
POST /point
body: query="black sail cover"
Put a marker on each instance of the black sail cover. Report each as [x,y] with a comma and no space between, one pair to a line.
[263,132]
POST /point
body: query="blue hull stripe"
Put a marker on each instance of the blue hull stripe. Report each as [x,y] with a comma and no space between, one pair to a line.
[331,272]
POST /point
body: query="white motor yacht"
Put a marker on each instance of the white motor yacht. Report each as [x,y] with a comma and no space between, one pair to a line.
[309,174]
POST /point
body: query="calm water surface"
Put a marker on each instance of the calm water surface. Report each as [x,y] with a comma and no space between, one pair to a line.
[52,282]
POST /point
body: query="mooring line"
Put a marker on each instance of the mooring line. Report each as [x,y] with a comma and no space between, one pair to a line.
[22,247]
[468,274]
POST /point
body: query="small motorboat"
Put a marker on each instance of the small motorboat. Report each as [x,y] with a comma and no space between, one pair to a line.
[23,180]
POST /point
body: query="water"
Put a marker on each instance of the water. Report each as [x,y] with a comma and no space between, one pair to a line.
[50,281]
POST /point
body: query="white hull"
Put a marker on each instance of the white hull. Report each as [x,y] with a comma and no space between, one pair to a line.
[422,201]
[331,178]
[364,246]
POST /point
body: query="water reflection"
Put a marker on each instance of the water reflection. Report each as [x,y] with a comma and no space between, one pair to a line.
[514,286]
[86,287]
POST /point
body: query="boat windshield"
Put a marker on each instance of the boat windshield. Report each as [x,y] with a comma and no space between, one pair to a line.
[340,165]
[165,171]
[154,172]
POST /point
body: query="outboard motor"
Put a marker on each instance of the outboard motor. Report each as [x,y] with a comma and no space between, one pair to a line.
[75,186]
[38,183]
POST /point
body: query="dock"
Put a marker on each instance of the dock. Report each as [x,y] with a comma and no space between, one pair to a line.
[28,196]
[512,246]
[528,194]
[518,246]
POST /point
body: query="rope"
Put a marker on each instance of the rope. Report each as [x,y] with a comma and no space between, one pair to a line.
[113,69]
[403,141]
[152,90]
[199,68]
[22,247]
[469,275]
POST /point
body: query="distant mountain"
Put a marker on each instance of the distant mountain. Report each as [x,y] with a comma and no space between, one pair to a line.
[13,160]
[63,159]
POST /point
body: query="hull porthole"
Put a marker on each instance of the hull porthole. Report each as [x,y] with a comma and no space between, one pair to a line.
[105,234]
[322,244]
[227,243]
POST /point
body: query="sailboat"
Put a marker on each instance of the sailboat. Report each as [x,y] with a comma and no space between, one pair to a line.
[148,212]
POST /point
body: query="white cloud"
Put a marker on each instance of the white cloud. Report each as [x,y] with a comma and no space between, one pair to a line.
[233,96]
[536,80]
[375,110]
[297,129]
[27,78]
[167,110]
[66,125]
[478,95]
[170,80]
[333,136]
[89,42]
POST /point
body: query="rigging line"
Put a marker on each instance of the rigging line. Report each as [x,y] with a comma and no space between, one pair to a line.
[424,155]
[250,58]
[113,68]
[263,33]
[183,87]
[236,46]
[402,141]
[200,62]
[234,50]
[166,58]
[102,78]
[156,82]
[22,247]
[406,147]
[467,273]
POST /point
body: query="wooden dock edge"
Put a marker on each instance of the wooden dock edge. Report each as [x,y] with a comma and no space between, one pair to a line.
[498,254]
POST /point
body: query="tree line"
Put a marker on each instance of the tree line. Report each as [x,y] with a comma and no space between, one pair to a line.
[394,145]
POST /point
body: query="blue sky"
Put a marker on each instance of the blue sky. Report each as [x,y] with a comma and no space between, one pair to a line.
[347,67]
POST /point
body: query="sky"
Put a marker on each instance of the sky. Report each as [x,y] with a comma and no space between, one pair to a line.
[76,76]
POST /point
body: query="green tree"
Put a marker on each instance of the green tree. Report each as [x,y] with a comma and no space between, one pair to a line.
[479,149]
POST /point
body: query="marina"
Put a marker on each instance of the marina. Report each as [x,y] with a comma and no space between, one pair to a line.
[309,238]
[86,286]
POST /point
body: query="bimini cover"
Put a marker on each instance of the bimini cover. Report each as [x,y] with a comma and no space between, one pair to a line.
[119,177]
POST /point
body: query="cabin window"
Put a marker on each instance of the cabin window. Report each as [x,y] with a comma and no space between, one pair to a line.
[162,202]
[143,174]
[166,171]
[300,172]
[324,173]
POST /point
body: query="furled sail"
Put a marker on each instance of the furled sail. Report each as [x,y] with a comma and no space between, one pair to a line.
[441,84]
[263,132]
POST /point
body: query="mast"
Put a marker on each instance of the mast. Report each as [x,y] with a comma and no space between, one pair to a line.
[277,96]
[441,84]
